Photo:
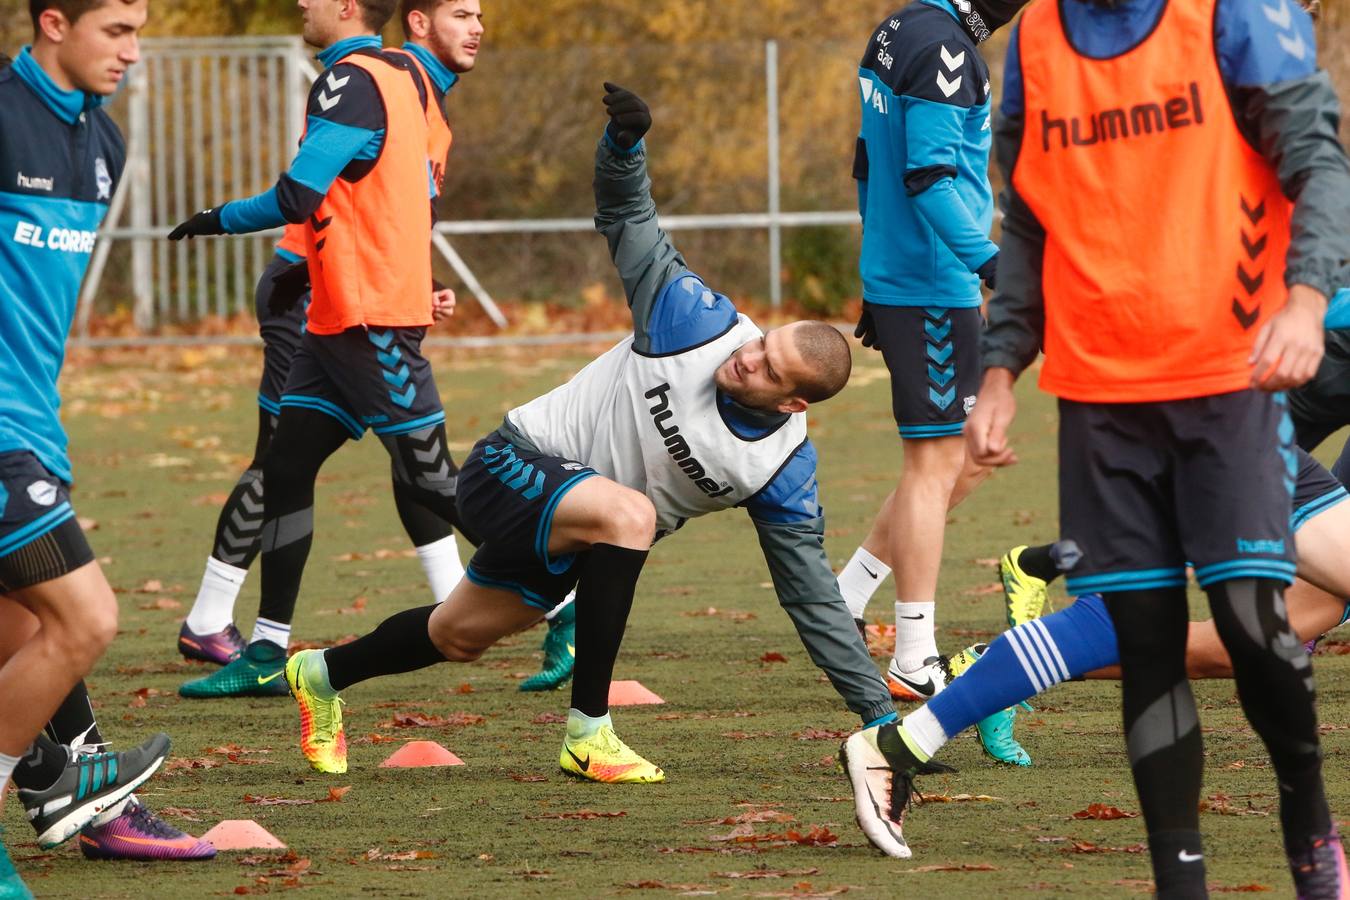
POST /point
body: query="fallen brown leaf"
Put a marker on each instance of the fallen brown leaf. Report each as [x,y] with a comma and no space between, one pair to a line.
[527,779]
[765,872]
[773,657]
[422,720]
[954,867]
[1103,813]
[580,814]
[650,884]
[957,798]
[821,734]
[549,718]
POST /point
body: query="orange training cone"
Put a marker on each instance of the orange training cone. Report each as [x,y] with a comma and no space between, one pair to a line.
[631,693]
[242,834]
[416,754]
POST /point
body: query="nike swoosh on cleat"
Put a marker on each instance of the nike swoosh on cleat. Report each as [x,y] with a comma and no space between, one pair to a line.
[585,764]
[868,571]
[272,677]
[926,688]
[571,651]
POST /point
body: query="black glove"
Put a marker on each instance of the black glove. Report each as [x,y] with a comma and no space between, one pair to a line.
[867,330]
[989,272]
[203,223]
[288,286]
[629,117]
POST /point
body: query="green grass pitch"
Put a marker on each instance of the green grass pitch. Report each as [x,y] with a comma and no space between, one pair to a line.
[748,744]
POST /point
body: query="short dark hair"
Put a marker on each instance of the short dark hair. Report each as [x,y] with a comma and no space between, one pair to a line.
[426,7]
[71,9]
[375,14]
[829,357]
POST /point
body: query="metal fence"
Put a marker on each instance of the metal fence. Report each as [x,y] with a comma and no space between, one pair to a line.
[209,119]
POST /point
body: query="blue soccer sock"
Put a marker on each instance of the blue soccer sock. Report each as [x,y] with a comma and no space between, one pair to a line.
[1019,664]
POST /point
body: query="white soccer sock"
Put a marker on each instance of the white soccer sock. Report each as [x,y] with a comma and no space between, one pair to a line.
[7,766]
[213,609]
[914,638]
[267,630]
[440,560]
[924,729]
[580,725]
[570,598]
[859,580]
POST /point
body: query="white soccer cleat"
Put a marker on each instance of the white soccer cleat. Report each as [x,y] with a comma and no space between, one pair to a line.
[921,685]
[883,784]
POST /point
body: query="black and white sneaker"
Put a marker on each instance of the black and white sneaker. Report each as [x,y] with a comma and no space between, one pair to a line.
[92,782]
[882,769]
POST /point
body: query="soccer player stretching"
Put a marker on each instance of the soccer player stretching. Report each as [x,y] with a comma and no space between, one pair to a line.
[1178,207]
[699,411]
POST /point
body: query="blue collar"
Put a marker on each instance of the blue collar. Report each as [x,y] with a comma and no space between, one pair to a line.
[67,105]
[334,54]
[748,424]
[944,5]
[441,77]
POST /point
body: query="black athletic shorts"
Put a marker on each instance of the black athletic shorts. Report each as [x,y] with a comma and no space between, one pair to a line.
[1146,487]
[933,355]
[1322,406]
[374,378]
[1317,490]
[508,496]
[280,335]
[40,538]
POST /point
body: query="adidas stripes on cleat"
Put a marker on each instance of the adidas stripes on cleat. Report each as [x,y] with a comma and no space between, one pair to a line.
[603,757]
[90,783]
[1023,594]
[257,672]
[322,738]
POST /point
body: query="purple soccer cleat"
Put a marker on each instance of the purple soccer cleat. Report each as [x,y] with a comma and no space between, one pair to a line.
[219,647]
[138,834]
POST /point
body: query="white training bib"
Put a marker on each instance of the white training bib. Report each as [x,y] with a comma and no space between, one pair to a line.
[652,423]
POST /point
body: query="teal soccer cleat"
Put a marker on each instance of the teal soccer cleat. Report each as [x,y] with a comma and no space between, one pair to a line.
[560,653]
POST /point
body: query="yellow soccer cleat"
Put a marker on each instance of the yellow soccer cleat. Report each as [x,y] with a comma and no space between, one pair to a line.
[321,737]
[603,757]
[1023,594]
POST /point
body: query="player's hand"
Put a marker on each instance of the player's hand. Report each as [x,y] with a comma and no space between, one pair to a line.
[1289,347]
[987,426]
[442,303]
[288,286]
[989,272]
[206,222]
[629,117]
[867,330]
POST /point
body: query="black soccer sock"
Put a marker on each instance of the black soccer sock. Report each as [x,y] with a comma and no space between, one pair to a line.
[241,518]
[1037,563]
[399,644]
[425,480]
[304,440]
[41,765]
[73,720]
[609,577]
[1275,684]
[1162,732]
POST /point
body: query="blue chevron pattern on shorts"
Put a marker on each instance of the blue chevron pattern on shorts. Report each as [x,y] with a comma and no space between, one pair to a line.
[513,471]
[395,371]
[1286,432]
[937,333]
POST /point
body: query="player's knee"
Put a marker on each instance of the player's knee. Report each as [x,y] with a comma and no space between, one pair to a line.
[630,521]
[457,646]
[83,638]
